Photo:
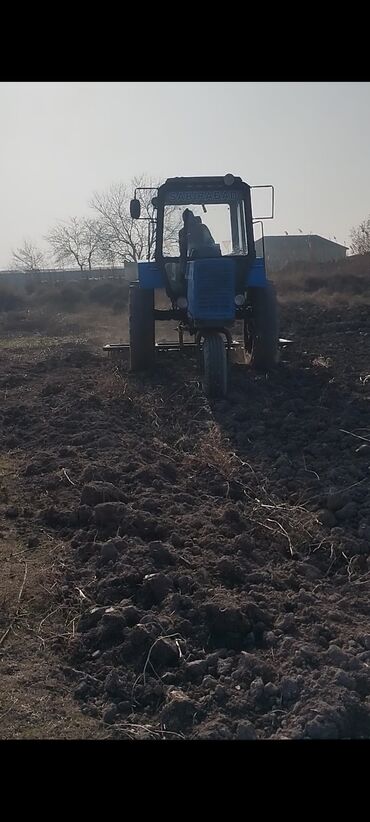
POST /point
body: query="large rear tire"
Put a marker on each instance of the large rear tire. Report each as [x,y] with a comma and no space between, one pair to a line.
[141,328]
[261,330]
[214,365]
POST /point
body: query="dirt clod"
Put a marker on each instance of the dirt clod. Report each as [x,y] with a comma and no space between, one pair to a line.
[245,730]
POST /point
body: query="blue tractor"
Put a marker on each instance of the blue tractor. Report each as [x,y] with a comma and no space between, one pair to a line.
[210,284]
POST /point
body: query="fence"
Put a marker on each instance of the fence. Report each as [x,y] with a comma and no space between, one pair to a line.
[19,279]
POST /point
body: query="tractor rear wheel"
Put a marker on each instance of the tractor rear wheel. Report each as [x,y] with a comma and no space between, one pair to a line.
[141,327]
[261,330]
[214,365]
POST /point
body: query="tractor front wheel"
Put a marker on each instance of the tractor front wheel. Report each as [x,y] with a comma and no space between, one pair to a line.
[214,365]
[141,328]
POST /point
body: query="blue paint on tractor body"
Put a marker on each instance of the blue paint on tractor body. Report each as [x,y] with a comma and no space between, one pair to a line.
[150,275]
[211,285]
[257,278]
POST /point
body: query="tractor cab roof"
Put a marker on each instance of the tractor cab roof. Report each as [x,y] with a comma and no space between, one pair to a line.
[183,183]
[201,190]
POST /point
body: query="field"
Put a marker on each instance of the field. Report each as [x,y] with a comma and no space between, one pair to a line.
[174,568]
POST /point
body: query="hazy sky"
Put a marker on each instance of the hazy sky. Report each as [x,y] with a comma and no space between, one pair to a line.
[61,141]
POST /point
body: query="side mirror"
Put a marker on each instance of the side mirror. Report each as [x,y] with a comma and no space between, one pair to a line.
[155,202]
[135,209]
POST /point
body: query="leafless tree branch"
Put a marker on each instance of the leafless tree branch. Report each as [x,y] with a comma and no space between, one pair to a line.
[124,239]
[360,236]
[78,241]
[28,257]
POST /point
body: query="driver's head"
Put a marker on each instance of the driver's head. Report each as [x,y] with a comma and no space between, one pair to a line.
[187,215]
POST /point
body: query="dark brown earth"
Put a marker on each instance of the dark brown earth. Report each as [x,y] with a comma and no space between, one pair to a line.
[179,568]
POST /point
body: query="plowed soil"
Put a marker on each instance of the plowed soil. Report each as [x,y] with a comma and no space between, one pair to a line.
[178,568]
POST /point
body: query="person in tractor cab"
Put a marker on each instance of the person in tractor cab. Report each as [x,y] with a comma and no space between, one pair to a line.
[194,236]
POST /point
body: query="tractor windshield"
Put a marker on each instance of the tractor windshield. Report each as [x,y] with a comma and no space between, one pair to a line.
[222,224]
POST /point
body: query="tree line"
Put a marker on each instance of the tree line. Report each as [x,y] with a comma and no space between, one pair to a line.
[109,237]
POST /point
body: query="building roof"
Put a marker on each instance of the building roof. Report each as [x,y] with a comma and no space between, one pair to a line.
[305,237]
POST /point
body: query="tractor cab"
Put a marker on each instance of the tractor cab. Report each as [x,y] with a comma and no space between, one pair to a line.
[205,259]
[200,218]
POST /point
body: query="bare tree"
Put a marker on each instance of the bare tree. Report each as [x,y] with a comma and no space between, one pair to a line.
[77,241]
[28,257]
[360,236]
[124,239]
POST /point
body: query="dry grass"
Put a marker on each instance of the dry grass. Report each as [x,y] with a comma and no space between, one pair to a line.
[58,311]
[290,524]
[35,702]
[294,526]
[343,282]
